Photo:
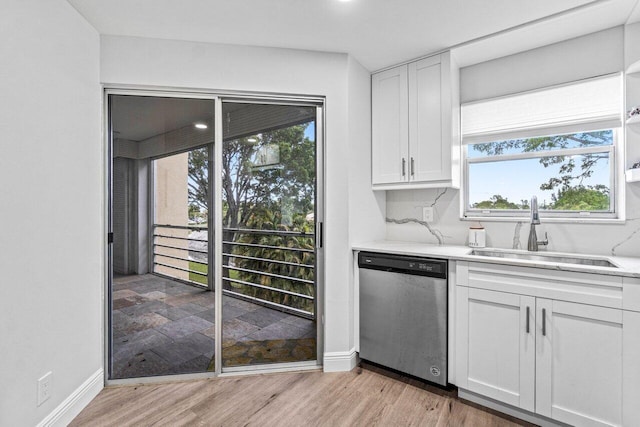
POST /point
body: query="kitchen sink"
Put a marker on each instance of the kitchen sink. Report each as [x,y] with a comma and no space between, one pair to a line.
[555,258]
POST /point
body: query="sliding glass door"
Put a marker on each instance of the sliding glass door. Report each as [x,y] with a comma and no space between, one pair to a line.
[182,204]
[269,224]
[161,307]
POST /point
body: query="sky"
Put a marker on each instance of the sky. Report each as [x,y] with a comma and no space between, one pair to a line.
[310,131]
[518,180]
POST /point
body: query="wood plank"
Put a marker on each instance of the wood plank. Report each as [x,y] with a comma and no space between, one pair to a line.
[362,397]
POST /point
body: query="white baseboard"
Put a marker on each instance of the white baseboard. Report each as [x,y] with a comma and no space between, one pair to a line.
[76,402]
[509,410]
[340,361]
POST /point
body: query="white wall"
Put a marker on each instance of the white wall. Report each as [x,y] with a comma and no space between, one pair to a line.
[366,208]
[583,57]
[51,261]
[139,61]
[591,55]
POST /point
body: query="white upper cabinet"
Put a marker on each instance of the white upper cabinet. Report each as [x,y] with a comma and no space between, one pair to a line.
[415,125]
[390,104]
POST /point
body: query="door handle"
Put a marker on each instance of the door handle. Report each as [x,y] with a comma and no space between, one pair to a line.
[412,167]
[319,235]
[544,322]
[404,166]
[528,319]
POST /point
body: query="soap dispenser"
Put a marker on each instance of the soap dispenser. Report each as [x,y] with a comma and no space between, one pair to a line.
[477,236]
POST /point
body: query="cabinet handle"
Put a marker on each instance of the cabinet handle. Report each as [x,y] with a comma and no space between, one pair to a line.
[527,319]
[404,166]
[412,166]
[544,322]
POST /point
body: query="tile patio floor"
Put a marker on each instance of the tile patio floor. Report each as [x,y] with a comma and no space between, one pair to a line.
[165,327]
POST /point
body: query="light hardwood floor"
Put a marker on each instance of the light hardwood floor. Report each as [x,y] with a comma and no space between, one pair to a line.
[362,397]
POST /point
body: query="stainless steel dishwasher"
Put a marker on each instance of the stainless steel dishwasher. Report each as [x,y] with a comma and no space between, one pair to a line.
[403,314]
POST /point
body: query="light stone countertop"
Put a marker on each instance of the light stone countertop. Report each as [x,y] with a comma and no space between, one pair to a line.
[627,266]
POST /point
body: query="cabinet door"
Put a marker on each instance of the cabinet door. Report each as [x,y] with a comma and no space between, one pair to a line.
[429,150]
[495,338]
[579,363]
[389,133]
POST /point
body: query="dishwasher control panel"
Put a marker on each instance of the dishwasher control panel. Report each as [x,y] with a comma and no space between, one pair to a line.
[398,263]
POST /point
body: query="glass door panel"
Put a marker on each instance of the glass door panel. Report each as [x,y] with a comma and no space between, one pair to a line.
[268,250]
[161,309]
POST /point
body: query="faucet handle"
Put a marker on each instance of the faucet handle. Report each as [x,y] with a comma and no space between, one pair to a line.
[544,242]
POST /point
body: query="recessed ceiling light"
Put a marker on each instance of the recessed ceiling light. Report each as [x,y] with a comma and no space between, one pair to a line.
[201,126]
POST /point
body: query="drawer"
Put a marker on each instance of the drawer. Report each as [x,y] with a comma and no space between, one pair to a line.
[595,289]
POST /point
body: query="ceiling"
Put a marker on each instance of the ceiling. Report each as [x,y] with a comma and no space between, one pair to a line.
[139,118]
[136,118]
[378,33]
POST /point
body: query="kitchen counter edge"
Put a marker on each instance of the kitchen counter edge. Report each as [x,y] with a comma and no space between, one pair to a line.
[627,266]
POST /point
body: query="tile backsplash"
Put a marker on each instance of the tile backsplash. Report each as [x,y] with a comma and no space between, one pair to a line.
[404,222]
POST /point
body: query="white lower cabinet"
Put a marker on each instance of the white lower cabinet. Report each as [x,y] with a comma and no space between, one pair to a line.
[579,363]
[498,354]
[572,362]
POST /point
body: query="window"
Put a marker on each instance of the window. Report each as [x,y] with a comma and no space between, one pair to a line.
[561,144]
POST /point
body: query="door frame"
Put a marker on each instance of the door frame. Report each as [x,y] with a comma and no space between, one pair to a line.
[215,221]
[319,221]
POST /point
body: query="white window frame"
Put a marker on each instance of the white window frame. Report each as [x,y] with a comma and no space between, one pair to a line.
[616,152]
[483,214]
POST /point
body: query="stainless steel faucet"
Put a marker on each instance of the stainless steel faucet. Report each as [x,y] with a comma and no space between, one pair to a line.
[535,220]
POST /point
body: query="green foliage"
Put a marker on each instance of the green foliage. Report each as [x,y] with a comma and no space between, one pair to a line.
[269,220]
[194,210]
[268,197]
[198,179]
[288,186]
[582,199]
[201,268]
[499,202]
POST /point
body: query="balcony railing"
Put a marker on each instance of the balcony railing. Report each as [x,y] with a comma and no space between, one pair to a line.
[289,257]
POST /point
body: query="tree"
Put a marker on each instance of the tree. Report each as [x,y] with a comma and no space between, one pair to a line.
[582,199]
[194,210]
[497,202]
[255,194]
[247,188]
[198,181]
[300,252]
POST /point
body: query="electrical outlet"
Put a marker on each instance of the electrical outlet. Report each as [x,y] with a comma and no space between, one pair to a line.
[427,214]
[44,388]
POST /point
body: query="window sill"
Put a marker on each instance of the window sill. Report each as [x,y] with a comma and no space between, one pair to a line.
[543,220]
